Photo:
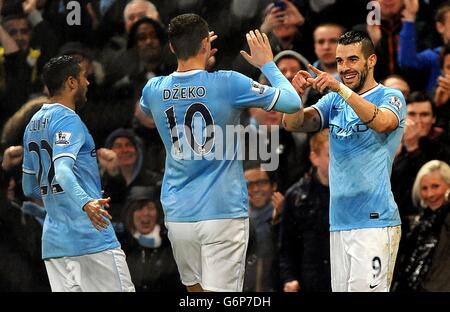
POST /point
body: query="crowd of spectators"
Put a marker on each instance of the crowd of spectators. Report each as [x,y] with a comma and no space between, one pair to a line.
[123,43]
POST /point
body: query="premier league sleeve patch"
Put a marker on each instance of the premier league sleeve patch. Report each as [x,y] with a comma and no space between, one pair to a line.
[396,102]
[258,88]
[63,138]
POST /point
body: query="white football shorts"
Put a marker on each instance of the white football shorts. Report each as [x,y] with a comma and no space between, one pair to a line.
[363,260]
[105,271]
[211,253]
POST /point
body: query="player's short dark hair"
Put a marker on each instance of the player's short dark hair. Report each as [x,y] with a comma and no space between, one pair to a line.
[186,33]
[58,70]
[352,37]
[421,96]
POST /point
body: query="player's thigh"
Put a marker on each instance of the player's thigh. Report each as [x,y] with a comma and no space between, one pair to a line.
[224,247]
[63,274]
[372,252]
[186,251]
[105,271]
[339,262]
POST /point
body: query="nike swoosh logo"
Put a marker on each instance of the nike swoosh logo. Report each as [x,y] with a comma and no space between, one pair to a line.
[373,286]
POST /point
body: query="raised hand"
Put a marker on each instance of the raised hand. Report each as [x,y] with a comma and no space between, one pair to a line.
[277,204]
[323,81]
[300,81]
[95,211]
[274,17]
[293,15]
[29,6]
[12,156]
[442,94]
[260,49]
[211,59]
[410,11]
[108,161]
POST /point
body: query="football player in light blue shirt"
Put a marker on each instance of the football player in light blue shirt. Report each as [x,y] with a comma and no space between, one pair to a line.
[366,122]
[204,193]
[60,166]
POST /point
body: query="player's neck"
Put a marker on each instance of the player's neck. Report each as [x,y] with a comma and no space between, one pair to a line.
[63,100]
[368,85]
[197,62]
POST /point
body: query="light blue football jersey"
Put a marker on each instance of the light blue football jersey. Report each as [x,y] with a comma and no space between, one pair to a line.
[57,131]
[361,161]
[203,178]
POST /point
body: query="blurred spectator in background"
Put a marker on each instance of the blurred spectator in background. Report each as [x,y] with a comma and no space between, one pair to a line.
[261,272]
[143,58]
[397,82]
[423,260]
[283,26]
[21,61]
[21,219]
[421,142]
[146,245]
[117,43]
[386,38]
[325,42]
[428,60]
[442,92]
[122,168]
[304,233]
[154,152]
[292,149]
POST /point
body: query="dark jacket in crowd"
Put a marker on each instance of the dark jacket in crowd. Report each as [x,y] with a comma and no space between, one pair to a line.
[305,236]
[424,259]
[261,271]
[152,269]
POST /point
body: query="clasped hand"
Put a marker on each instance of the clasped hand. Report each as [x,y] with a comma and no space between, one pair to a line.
[323,81]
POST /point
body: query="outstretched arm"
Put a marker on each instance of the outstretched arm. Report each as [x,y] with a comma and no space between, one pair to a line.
[261,56]
[93,207]
[379,119]
[305,120]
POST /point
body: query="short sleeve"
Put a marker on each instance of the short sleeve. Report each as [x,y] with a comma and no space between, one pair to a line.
[323,107]
[144,102]
[246,92]
[395,102]
[68,136]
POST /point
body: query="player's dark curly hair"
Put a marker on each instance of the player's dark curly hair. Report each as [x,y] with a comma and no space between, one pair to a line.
[186,33]
[57,70]
[352,37]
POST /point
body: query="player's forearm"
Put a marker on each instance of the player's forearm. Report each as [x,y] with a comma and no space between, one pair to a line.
[294,122]
[67,180]
[30,186]
[370,114]
[288,101]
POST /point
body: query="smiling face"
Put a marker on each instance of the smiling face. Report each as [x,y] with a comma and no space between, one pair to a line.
[145,218]
[259,187]
[353,67]
[125,150]
[432,190]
